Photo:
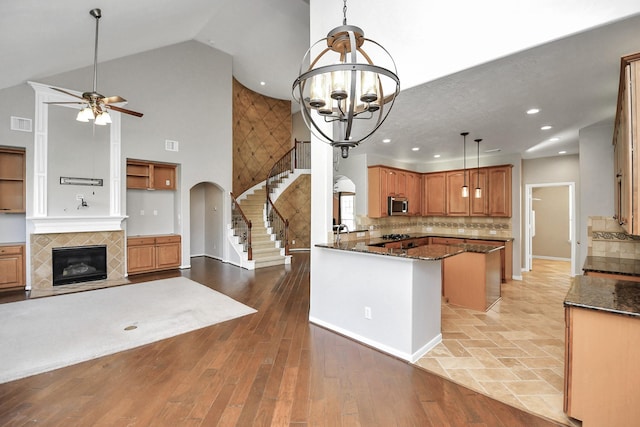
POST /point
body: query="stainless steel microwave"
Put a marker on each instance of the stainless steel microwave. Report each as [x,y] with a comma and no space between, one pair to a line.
[398,206]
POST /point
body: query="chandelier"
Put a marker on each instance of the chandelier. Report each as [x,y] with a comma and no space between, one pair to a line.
[342,86]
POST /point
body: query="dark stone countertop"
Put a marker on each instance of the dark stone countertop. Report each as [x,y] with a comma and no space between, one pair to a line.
[425,252]
[622,266]
[602,294]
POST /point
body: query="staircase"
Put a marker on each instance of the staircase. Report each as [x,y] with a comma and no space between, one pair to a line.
[261,234]
[265,250]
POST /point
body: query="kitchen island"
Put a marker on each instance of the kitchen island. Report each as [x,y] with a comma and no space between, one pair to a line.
[388,298]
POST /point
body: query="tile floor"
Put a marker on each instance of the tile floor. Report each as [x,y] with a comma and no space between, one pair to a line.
[515,351]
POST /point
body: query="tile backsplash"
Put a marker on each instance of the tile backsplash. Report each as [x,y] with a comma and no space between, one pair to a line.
[463,226]
[606,238]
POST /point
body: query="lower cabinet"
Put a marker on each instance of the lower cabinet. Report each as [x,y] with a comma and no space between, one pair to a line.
[12,266]
[472,280]
[601,367]
[153,253]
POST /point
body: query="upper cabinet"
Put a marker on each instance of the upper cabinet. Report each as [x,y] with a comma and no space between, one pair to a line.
[478,205]
[456,204]
[440,193]
[434,196]
[625,136]
[499,191]
[12,180]
[387,182]
[414,193]
[145,175]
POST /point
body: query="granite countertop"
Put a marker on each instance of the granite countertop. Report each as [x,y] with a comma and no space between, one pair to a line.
[425,252]
[609,295]
[627,267]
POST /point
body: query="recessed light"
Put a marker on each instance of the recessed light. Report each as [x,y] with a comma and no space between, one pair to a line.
[493,150]
[562,152]
[436,156]
[386,140]
[533,111]
[263,83]
[546,127]
[554,139]
[415,149]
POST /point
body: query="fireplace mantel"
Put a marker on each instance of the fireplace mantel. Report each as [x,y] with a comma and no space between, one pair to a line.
[75,224]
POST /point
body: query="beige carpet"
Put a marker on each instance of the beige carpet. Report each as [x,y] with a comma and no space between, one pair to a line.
[43,334]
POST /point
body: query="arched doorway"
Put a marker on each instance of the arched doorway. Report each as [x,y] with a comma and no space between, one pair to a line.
[206,220]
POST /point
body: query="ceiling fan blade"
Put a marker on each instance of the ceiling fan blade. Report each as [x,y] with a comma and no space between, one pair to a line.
[113,99]
[123,110]
[68,93]
[70,102]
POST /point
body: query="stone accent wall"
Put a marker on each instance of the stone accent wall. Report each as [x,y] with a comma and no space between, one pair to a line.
[606,238]
[41,245]
[472,226]
[261,136]
[295,205]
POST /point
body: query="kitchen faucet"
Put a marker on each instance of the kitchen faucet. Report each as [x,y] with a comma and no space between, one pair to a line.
[338,228]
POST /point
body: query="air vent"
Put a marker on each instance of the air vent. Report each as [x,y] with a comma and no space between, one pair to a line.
[170,145]
[21,124]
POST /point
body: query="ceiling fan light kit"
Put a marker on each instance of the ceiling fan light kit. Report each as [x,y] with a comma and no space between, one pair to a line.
[343,87]
[96,105]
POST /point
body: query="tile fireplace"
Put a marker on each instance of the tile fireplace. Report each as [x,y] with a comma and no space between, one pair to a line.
[42,246]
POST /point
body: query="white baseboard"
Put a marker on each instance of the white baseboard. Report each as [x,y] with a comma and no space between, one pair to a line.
[551,258]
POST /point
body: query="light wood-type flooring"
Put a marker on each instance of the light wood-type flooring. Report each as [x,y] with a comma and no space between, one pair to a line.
[271,368]
[515,351]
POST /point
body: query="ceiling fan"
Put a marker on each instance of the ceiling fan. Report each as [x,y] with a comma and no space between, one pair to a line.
[96,104]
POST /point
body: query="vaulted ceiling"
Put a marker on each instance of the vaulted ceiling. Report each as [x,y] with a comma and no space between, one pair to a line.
[464,66]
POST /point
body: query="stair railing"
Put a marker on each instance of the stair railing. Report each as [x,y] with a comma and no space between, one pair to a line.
[298,157]
[241,226]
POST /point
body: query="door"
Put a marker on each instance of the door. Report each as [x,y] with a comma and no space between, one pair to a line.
[534,223]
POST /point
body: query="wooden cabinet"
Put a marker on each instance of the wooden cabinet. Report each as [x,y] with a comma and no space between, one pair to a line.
[12,180]
[385,182]
[440,193]
[478,206]
[146,175]
[414,190]
[153,253]
[472,280]
[625,136]
[456,204]
[12,266]
[378,192]
[601,367]
[434,194]
[446,241]
[499,194]
[506,256]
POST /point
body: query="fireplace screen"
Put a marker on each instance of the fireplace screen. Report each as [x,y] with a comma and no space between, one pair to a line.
[79,264]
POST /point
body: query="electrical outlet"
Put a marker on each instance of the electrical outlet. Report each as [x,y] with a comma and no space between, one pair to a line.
[141,212]
[155,212]
[367,313]
[461,230]
[429,229]
[493,232]
[293,242]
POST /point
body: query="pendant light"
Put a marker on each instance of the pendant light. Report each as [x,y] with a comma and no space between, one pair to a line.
[465,187]
[478,191]
[351,85]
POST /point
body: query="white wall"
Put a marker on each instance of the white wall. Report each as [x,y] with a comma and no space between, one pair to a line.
[197,222]
[184,91]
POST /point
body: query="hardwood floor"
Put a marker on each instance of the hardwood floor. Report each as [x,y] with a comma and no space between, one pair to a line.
[271,368]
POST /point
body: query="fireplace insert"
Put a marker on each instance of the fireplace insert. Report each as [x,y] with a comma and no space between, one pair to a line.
[79,264]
